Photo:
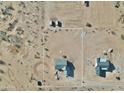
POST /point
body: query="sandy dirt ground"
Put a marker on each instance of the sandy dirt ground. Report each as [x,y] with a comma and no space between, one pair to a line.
[29,45]
[106,32]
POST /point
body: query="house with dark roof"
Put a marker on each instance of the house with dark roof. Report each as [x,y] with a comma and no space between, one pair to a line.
[102,66]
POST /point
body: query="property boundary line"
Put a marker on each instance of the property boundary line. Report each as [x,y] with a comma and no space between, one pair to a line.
[81,60]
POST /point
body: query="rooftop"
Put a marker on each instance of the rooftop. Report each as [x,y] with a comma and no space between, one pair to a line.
[102,66]
[60,63]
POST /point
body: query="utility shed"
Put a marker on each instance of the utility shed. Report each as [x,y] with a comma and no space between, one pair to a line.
[60,64]
[52,23]
[102,65]
[55,23]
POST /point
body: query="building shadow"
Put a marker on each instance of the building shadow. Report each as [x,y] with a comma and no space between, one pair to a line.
[111,68]
[59,24]
[103,73]
[70,69]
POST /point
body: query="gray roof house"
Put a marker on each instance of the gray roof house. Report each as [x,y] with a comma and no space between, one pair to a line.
[102,65]
[62,64]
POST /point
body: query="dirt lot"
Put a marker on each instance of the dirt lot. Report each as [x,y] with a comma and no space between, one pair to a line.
[20,62]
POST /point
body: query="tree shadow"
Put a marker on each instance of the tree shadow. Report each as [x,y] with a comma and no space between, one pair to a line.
[70,69]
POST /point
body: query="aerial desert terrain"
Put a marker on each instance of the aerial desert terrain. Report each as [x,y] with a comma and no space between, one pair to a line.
[31,40]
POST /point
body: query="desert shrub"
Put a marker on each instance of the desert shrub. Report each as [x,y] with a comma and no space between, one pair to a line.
[46,49]
[118,78]
[122,36]
[113,33]
[1,71]
[2,62]
[88,25]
